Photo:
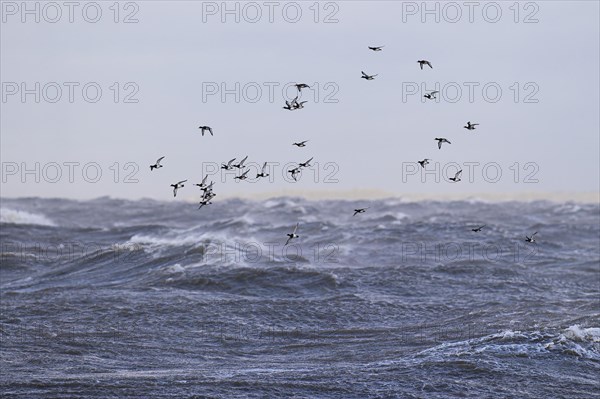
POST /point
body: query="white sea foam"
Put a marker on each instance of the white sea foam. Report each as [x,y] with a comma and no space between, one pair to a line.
[577,333]
[22,217]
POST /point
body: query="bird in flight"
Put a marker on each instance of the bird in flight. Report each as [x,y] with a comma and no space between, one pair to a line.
[294,172]
[424,62]
[204,202]
[301,86]
[359,210]
[431,95]
[242,176]
[292,235]
[456,177]
[208,195]
[367,77]
[177,186]
[530,239]
[205,128]
[470,126]
[424,162]
[376,48]
[305,164]
[228,166]
[241,164]
[208,188]
[203,184]
[301,144]
[478,229]
[298,105]
[441,140]
[262,173]
[157,165]
[288,106]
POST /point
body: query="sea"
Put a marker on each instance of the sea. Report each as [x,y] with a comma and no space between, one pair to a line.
[111,298]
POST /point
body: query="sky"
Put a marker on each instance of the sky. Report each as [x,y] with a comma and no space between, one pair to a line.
[94,92]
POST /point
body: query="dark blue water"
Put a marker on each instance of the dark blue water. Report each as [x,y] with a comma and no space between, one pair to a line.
[144,299]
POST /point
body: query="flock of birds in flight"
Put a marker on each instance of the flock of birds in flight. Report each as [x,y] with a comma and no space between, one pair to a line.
[207,189]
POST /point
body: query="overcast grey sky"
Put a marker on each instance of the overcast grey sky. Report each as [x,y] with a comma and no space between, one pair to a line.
[527,72]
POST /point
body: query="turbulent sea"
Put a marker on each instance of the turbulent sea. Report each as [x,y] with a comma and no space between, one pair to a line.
[145,299]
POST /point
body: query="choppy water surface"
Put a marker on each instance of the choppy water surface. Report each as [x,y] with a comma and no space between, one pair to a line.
[145,299]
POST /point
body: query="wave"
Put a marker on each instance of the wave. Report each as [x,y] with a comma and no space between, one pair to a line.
[21,217]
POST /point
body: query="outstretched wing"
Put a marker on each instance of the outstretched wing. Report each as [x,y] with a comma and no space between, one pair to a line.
[457,174]
[296,228]
[159,159]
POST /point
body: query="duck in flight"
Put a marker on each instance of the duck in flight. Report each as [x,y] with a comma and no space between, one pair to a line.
[301,86]
[470,126]
[294,172]
[242,176]
[203,184]
[424,62]
[292,235]
[262,173]
[228,166]
[177,186]
[359,210]
[431,96]
[241,164]
[478,229]
[301,144]
[531,239]
[206,199]
[441,140]
[291,105]
[299,105]
[203,203]
[376,48]
[205,128]
[208,188]
[456,177]
[424,162]
[157,165]
[367,77]
[305,164]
